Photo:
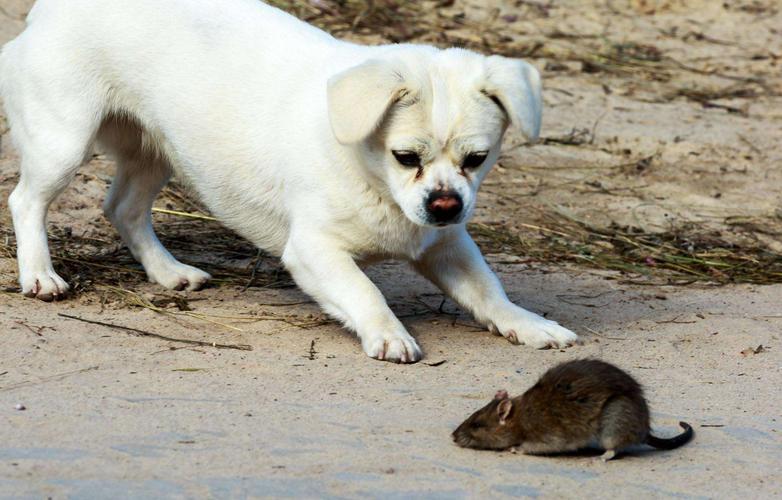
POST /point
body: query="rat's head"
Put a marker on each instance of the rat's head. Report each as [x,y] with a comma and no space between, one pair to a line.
[490,427]
[428,124]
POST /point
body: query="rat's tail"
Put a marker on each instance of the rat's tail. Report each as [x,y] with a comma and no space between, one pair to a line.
[673,442]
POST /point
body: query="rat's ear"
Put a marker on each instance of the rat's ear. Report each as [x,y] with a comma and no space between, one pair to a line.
[358,98]
[503,410]
[515,86]
[501,394]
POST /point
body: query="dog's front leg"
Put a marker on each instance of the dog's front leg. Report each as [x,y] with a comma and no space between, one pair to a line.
[456,265]
[331,276]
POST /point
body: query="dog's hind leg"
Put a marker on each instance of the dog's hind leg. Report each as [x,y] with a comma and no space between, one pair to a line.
[42,179]
[140,177]
[53,129]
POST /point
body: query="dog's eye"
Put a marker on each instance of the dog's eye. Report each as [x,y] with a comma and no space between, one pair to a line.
[474,160]
[407,158]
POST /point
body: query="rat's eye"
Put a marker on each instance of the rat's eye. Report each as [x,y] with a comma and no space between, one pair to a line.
[407,158]
[474,160]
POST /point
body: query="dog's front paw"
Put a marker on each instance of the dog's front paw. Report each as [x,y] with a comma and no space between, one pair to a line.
[535,331]
[395,347]
[46,286]
[178,276]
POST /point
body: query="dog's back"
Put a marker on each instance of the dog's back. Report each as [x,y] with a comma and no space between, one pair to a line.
[189,67]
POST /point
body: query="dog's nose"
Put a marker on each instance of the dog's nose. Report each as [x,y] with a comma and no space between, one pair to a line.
[444,206]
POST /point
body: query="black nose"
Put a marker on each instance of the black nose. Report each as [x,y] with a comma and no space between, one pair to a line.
[444,206]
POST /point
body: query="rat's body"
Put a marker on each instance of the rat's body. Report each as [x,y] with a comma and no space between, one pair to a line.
[574,405]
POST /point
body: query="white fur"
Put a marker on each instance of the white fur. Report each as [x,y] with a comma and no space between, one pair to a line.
[285,132]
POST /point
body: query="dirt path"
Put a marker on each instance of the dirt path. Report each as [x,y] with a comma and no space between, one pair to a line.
[305,413]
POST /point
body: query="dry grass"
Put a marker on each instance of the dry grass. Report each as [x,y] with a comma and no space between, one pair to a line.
[441,24]
[677,257]
[683,256]
[86,260]
[160,302]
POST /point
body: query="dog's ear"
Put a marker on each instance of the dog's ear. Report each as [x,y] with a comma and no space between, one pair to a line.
[515,86]
[360,97]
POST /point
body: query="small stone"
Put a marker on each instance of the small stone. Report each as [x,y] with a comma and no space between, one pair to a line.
[20,407]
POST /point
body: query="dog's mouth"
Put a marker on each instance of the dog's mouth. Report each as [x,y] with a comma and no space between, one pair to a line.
[440,222]
[441,225]
[423,217]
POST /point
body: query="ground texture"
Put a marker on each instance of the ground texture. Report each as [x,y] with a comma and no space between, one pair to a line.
[648,220]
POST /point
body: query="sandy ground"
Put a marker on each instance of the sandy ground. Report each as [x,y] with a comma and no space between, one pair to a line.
[306,413]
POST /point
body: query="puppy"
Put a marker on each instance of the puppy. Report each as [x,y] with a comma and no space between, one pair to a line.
[323,152]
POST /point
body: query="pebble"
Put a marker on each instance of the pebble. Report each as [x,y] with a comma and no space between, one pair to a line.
[20,407]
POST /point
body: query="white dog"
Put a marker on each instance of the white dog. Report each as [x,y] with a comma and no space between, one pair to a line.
[323,152]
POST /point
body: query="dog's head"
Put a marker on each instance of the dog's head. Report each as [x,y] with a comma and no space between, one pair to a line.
[429,123]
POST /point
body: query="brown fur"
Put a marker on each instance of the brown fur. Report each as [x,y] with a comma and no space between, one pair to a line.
[573,405]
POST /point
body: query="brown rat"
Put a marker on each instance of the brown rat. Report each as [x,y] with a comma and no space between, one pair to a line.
[574,405]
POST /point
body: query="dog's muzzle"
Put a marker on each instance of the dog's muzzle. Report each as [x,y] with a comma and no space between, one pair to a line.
[444,207]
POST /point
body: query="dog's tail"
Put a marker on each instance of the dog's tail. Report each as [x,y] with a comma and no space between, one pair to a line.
[673,442]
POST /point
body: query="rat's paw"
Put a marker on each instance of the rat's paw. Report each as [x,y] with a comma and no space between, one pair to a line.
[608,455]
[46,286]
[395,347]
[535,331]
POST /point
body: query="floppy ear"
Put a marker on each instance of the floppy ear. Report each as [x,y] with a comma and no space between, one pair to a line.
[515,85]
[359,98]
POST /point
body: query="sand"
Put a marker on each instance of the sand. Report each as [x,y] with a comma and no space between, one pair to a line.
[306,413]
